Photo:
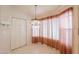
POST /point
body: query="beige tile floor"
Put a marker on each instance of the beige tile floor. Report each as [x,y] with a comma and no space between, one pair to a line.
[36,49]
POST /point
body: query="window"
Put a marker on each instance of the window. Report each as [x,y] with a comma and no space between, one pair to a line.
[49,28]
[58,29]
[66,28]
[35,28]
[45,28]
[55,28]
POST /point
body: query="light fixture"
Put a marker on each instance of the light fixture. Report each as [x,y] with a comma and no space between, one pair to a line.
[35,10]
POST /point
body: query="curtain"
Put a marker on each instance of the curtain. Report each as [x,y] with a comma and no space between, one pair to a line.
[56,31]
[45,32]
[66,31]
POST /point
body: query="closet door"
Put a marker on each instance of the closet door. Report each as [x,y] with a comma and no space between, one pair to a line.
[18,35]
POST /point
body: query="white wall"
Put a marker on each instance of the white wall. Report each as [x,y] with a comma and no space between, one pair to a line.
[29,32]
[6,12]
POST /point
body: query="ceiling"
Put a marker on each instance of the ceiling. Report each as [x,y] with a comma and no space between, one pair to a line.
[41,10]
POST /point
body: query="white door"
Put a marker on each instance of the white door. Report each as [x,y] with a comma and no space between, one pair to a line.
[18,35]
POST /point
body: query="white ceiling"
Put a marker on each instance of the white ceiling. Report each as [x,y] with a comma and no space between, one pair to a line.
[41,11]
